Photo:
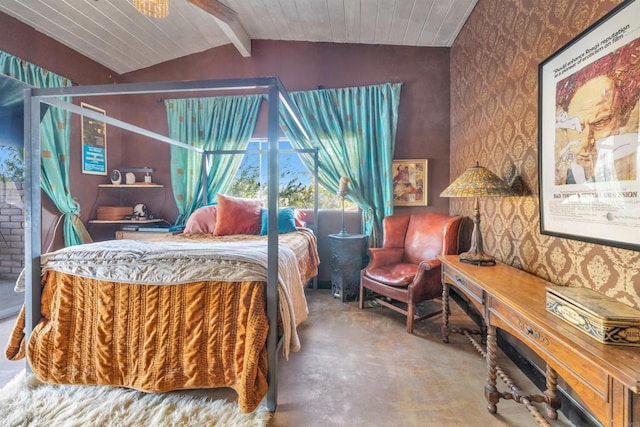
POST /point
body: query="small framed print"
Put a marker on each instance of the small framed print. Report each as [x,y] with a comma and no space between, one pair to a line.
[94,143]
[410,182]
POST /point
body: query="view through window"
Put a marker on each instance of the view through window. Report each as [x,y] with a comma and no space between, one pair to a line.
[296,181]
[11,164]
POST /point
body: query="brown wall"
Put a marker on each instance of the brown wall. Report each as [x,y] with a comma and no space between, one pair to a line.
[494,110]
[423,127]
[24,42]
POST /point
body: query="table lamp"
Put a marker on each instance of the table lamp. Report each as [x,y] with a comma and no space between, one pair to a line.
[477,181]
[342,192]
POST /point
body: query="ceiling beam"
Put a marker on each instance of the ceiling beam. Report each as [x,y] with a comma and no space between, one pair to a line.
[227,19]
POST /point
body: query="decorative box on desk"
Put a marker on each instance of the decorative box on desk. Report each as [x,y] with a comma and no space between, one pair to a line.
[348,257]
[605,319]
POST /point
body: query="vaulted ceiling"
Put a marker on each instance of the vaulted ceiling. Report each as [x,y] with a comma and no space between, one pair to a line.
[116,35]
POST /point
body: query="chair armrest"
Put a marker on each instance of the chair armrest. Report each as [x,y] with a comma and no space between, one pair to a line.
[383,256]
[429,264]
[426,268]
[427,283]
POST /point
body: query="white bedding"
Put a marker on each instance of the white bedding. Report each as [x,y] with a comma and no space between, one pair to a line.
[164,262]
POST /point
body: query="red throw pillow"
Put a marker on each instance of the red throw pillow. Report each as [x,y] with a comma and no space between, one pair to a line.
[237,216]
[202,220]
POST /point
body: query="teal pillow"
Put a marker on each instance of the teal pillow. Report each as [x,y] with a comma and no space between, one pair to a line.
[286,221]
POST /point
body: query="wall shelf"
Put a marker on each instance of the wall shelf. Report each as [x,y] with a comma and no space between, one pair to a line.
[128,221]
[125,221]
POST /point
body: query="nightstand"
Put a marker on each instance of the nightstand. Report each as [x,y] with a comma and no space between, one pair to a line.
[348,257]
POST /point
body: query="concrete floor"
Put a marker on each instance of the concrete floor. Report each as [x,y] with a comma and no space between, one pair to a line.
[360,368]
[8,369]
[10,301]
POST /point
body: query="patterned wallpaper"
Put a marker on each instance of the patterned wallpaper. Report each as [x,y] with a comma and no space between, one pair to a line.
[494,109]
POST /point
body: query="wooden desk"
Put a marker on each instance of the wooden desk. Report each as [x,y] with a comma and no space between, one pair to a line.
[605,377]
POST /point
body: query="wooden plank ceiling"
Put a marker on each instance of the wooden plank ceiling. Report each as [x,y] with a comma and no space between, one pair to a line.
[115,34]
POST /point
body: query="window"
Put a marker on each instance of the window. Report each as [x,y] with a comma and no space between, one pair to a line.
[296,182]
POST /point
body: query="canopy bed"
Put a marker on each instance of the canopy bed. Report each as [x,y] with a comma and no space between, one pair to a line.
[114,286]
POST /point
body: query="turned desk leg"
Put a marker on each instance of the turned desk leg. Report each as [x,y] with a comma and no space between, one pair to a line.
[490,391]
[446,312]
[552,399]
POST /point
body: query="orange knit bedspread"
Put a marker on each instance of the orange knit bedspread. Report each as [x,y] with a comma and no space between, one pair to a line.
[151,338]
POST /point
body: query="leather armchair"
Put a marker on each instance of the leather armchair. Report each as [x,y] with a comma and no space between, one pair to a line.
[405,269]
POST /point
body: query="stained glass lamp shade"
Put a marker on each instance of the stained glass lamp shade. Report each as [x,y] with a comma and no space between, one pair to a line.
[477,181]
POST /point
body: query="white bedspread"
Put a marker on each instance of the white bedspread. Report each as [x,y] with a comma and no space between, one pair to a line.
[172,262]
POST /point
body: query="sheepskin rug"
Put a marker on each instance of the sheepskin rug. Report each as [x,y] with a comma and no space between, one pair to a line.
[25,401]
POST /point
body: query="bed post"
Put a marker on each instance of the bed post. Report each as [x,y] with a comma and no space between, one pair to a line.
[204,179]
[272,271]
[32,217]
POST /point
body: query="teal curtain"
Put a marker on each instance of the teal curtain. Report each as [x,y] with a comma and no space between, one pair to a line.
[219,123]
[54,140]
[355,131]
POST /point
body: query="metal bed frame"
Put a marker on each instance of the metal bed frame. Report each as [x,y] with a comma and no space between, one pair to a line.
[33,100]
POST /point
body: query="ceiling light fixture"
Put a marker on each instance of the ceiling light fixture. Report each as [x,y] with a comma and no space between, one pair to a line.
[153,8]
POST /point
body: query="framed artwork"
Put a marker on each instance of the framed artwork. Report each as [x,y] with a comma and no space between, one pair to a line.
[588,118]
[410,182]
[94,143]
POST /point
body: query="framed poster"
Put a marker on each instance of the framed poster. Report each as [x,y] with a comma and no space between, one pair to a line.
[410,182]
[94,143]
[588,119]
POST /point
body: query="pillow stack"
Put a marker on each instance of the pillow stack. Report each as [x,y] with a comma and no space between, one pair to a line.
[236,215]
